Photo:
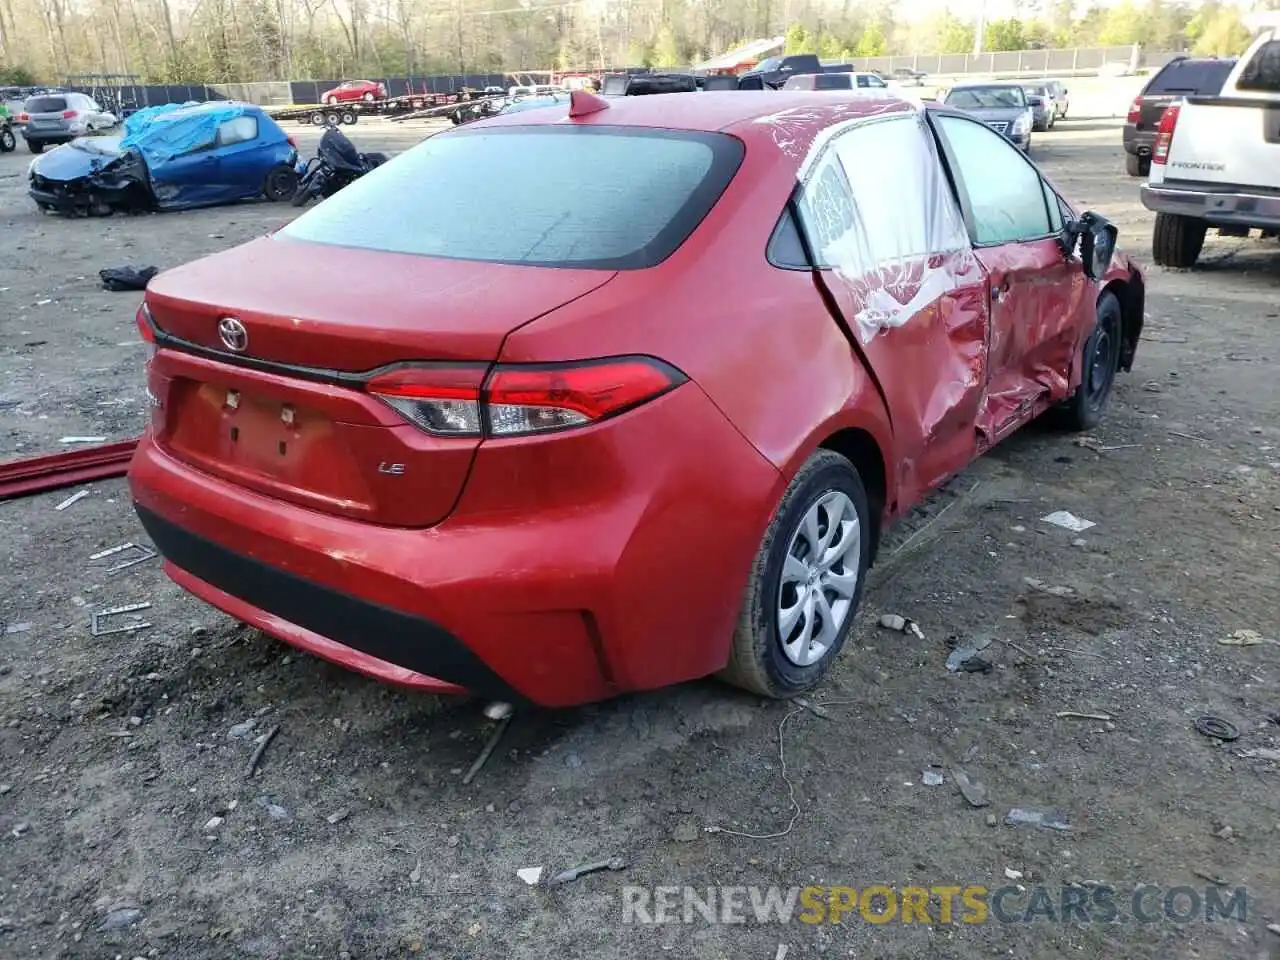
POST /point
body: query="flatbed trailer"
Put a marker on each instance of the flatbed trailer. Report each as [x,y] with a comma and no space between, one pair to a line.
[320,115]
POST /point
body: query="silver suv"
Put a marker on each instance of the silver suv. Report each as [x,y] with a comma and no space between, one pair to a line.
[51,118]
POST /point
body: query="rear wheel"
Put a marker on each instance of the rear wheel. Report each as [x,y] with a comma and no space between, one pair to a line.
[1177,241]
[35,147]
[330,101]
[8,142]
[348,117]
[332,118]
[806,582]
[1136,166]
[368,98]
[317,118]
[1099,360]
[281,183]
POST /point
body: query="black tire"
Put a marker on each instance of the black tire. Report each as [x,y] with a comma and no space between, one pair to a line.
[757,661]
[1100,361]
[1177,241]
[1136,166]
[368,98]
[8,142]
[349,117]
[332,118]
[317,118]
[35,147]
[281,183]
[303,193]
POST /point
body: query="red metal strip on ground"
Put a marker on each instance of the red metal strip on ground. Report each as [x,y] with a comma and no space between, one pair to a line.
[20,478]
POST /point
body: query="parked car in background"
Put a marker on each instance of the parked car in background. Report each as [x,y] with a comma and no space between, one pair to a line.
[1050,108]
[1215,163]
[54,118]
[499,454]
[908,77]
[776,71]
[1001,106]
[349,90]
[1180,77]
[836,81]
[1042,113]
[171,158]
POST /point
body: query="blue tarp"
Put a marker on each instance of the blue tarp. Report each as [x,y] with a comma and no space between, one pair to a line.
[168,133]
[139,120]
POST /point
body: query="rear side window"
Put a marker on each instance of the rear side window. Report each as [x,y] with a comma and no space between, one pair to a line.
[239,130]
[1204,77]
[45,105]
[831,81]
[1263,70]
[610,198]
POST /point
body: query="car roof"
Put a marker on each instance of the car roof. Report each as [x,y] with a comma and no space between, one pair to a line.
[721,110]
[993,83]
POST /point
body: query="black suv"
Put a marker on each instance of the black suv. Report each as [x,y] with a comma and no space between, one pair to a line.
[1180,77]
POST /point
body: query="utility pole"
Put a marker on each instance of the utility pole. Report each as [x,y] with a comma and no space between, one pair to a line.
[980,28]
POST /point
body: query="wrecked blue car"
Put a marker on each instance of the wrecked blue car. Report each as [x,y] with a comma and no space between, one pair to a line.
[170,158]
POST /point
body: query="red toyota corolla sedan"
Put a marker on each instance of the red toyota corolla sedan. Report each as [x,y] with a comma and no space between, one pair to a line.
[348,90]
[600,398]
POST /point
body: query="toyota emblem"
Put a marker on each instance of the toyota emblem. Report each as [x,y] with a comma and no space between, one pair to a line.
[233,334]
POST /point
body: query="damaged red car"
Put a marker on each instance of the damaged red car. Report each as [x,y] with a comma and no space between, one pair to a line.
[605,397]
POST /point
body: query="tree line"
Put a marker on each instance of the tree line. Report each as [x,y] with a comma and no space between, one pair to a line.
[227,41]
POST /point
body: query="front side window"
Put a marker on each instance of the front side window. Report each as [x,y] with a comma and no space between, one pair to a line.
[830,81]
[1262,72]
[1006,193]
[611,198]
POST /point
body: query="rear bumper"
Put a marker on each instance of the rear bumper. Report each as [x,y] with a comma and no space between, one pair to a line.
[47,136]
[1226,207]
[599,563]
[1138,142]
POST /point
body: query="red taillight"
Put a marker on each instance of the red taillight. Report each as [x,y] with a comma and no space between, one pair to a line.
[1135,111]
[289,140]
[69,114]
[24,117]
[1164,134]
[516,399]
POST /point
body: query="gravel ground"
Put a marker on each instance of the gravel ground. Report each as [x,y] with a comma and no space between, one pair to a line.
[129,828]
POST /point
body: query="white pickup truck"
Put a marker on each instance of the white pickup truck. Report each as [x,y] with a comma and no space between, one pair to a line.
[1216,160]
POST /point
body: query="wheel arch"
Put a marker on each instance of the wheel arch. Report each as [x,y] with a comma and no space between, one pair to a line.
[860,448]
[1130,290]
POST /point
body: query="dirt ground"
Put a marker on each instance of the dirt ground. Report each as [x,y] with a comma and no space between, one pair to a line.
[358,838]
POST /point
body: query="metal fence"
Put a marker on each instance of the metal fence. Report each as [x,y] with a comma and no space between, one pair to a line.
[1078,61]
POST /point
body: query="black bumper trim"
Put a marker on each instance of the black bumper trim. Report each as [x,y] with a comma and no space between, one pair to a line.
[391,635]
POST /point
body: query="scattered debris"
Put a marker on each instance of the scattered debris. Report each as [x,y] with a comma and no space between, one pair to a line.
[1217,728]
[212,824]
[338,816]
[530,875]
[416,875]
[1084,716]
[1068,521]
[965,658]
[1054,591]
[1274,928]
[1012,874]
[252,767]
[141,555]
[119,918]
[274,810]
[971,788]
[95,621]
[816,709]
[119,279]
[83,440]
[24,627]
[1093,443]
[498,710]
[1036,818]
[1205,875]
[242,730]
[1261,753]
[1246,638]
[782,952]
[1225,833]
[686,831]
[932,777]
[568,876]
[992,820]
[74,498]
[488,749]
[1186,436]
[891,621]
[19,830]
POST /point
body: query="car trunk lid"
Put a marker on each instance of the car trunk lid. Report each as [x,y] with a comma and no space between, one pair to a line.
[286,415]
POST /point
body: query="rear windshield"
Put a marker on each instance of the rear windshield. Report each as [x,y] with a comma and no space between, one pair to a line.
[989,98]
[1192,76]
[609,198]
[833,81]
[45,105]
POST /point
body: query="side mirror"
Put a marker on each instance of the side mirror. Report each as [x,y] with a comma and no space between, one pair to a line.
[1097,243]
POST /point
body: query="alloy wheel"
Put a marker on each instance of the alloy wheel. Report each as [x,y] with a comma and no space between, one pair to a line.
[819,578]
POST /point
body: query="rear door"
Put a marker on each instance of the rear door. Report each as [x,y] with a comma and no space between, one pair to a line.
[45,115]
[243,159]
[1040,304]
[885,228]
